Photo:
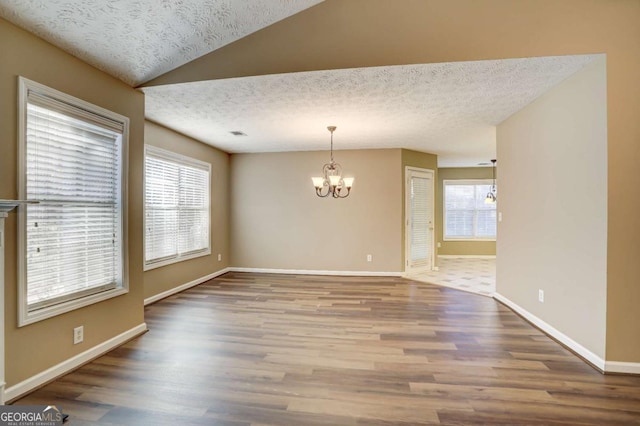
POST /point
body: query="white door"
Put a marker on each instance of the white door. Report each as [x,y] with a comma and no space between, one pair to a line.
[419,233]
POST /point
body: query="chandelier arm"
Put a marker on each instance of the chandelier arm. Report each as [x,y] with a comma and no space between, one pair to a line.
[338,194]
[325,170]
[319,192]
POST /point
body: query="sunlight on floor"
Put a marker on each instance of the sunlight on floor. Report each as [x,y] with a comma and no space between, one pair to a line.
[475,275]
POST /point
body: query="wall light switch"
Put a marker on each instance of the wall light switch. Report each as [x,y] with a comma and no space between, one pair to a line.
[499,216]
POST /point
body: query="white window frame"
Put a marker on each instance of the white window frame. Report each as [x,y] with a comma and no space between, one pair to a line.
[189,162]
[444,206]
[25,316]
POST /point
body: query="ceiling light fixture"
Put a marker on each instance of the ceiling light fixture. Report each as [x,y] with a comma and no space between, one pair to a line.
[331,182]
[491,195]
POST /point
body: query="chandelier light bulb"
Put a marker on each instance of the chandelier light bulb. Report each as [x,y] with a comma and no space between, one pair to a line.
[318,182]
[348,182]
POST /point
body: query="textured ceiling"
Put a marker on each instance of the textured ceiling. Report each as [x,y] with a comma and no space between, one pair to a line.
[137,40]
[449,109]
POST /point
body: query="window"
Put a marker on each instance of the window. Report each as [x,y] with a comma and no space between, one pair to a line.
[177,210]
[72,241]
[466,215]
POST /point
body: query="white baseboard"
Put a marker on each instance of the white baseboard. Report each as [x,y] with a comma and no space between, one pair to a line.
[622,367]
[317,272]
[576,347]
[595,360]
[72,363]
[185,286]
[467,256]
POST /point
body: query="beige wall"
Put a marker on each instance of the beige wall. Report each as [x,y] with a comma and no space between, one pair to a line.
[165,278]
[460,248]
[381,32]
[278,222]
[553,192]
[36,347]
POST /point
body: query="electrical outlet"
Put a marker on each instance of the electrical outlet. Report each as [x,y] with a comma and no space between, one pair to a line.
[78,335]
[499,216]
[439,244]
[541,296]
[219,257]
[369,258]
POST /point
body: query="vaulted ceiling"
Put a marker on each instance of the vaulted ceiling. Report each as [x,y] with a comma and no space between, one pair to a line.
[137,40]
[449,109]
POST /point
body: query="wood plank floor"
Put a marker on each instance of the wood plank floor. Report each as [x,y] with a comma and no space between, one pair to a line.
[258,349]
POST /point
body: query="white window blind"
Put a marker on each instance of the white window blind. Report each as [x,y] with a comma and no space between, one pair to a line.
[420,218]
[177,207]
[72,159]
[466,215]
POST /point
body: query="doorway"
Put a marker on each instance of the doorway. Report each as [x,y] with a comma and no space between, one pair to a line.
[419,217]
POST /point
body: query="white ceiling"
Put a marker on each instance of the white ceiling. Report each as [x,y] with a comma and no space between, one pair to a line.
[448,109]
[138,40]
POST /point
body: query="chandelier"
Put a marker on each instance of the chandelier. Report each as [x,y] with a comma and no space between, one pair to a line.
[331,182]
[491,195]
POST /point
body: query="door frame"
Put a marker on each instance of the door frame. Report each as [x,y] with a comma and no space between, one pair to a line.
[407,212]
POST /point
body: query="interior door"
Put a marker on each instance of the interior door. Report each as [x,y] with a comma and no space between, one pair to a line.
[419,196]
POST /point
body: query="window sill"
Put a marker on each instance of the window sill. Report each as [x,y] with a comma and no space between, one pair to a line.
[26,318]
[154,265]
[468,240]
